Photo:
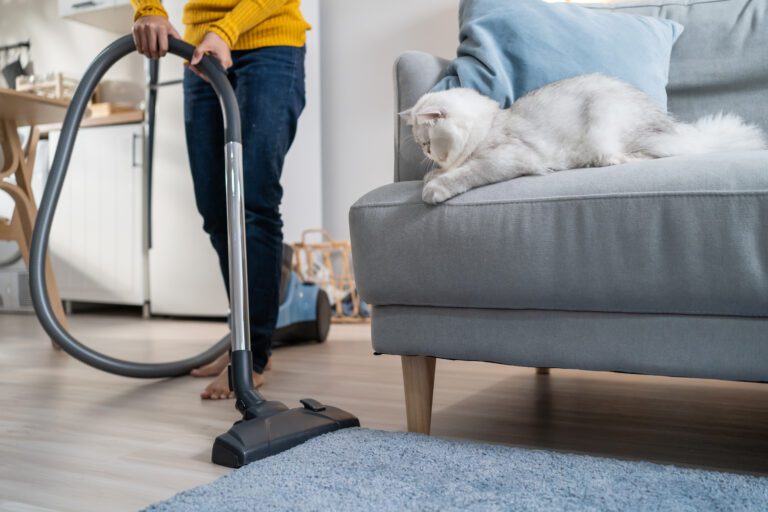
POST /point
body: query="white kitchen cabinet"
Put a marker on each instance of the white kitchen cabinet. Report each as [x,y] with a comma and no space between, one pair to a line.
[113,15]
[184,274]
[98,238]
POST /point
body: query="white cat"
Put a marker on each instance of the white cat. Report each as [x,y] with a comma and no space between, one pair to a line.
[585,121]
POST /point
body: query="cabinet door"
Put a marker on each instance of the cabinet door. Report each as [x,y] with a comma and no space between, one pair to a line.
[98,235]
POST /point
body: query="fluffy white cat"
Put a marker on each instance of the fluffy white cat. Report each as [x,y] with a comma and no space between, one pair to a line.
[585,121]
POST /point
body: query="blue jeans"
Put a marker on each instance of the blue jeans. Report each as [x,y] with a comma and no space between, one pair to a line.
[269,85]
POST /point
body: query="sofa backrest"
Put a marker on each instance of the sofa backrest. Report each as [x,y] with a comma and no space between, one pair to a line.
[720,63]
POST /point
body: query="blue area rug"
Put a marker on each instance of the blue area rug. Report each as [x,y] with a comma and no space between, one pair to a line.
[359,469]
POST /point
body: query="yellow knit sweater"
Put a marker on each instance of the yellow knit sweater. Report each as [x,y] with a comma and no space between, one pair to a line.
[243,24]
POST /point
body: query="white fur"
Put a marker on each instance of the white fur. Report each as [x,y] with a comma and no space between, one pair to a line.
[585,121]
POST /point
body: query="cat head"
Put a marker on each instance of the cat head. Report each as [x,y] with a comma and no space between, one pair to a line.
[448,125]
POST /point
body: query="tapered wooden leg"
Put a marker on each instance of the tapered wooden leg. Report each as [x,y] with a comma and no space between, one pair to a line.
[542,371]
[24,239]
[419,380]
[22,224]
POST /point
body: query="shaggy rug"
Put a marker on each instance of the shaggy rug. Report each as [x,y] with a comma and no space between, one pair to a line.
[360,469]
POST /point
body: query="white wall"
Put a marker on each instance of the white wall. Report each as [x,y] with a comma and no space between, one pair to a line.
[360,41]
[58,44]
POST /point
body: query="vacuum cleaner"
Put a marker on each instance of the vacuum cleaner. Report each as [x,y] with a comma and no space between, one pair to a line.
[305,310]
[267,427]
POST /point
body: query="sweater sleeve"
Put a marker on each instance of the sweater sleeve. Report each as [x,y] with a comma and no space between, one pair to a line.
[246,15]
[147,8]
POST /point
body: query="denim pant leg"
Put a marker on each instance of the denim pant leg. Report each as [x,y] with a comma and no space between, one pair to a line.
[204,127]
[269,84]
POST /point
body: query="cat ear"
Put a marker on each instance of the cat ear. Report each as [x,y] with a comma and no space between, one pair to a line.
[430,115]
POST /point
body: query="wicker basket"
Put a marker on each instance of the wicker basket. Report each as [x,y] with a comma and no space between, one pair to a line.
[327,263]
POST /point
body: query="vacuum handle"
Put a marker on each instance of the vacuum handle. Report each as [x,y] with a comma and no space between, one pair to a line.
[217,75]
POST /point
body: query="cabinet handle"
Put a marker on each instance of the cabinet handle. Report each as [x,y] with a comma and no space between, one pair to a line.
[134,138]
[80,5]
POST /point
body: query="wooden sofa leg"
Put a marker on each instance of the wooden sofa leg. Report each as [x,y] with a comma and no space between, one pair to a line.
[542,371]
[419,380]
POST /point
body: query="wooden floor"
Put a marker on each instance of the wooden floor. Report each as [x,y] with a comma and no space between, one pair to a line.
[73,438]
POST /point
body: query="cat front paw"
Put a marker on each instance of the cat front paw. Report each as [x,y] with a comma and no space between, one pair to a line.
[435,193]
[434,173]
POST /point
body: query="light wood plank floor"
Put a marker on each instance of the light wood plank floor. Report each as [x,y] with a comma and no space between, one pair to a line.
[73,438]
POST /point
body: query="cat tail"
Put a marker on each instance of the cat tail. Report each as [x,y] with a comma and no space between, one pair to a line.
[718,132]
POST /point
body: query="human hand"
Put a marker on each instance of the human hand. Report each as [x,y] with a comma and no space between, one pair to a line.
[214,46]
[150,33]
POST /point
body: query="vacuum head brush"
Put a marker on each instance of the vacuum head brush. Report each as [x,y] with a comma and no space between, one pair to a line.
[256,438]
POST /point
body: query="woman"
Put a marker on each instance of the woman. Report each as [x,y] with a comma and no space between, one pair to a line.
[261,45]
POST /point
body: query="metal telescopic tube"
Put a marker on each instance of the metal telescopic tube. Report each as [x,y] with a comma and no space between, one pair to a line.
[248,401]
[238,270]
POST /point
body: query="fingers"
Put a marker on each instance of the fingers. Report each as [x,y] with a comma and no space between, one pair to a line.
[137,40]
[162,41]
[150,34]
[152,43]
[224,57]
[197,56]
[215,46]
[146,35]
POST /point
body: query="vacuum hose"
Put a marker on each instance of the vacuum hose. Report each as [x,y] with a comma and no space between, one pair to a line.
[117,50]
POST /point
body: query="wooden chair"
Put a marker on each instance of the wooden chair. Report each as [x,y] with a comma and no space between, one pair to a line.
[21,109]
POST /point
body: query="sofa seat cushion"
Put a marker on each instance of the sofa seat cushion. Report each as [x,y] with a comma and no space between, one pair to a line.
[683,235]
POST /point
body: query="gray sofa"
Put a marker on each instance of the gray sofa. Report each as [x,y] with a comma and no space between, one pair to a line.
[658,267]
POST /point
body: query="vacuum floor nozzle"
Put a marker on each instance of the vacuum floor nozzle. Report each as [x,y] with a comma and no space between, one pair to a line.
[256,438]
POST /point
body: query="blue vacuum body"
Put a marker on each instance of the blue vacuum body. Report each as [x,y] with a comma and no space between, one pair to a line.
[304,315]
[305,311]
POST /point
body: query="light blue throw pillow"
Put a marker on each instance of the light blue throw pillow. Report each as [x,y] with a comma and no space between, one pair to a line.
[510,47]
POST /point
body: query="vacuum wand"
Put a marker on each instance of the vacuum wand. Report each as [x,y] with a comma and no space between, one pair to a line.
[241,369]
[241,380]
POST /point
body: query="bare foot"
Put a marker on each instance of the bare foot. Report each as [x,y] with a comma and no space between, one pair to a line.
[218,366]
[219,388]
[214,368]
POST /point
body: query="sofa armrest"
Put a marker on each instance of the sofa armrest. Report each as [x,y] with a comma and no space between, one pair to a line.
[415,73]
